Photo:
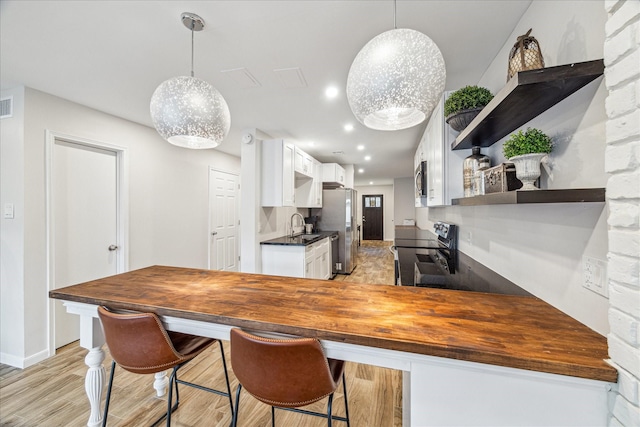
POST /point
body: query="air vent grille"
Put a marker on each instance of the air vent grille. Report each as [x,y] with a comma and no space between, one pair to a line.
[6,107]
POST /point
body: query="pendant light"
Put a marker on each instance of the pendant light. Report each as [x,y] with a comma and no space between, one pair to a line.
[396,80]
[189,112]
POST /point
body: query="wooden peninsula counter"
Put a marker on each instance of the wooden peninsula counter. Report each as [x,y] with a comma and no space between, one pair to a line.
[468,358]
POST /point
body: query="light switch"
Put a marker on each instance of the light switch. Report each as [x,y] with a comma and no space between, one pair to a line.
[595,275]
[8,211]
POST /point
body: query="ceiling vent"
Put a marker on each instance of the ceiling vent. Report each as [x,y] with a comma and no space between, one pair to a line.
[242,77]
[291,77]
[6,107]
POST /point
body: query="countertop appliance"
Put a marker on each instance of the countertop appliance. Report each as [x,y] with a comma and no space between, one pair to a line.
[339,213]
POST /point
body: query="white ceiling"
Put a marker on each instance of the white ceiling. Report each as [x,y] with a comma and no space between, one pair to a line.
[111,55]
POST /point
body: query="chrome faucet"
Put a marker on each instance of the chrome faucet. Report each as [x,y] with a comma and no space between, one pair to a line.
[301,218]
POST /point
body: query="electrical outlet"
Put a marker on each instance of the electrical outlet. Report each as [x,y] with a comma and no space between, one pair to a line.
[469,238]
[595,275]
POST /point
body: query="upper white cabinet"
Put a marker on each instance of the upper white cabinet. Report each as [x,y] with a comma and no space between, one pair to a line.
[333,174]
[278,173]
[290,177]
[308,184]
[303,164]
[444,167]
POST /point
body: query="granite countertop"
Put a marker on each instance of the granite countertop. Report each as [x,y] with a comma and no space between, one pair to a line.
[299,239]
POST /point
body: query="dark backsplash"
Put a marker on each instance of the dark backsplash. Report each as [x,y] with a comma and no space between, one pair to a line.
[474,276]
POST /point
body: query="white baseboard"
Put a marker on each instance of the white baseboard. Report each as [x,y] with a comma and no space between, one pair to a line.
[19,362]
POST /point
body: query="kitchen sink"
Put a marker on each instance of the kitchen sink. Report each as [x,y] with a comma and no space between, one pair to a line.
[309,236]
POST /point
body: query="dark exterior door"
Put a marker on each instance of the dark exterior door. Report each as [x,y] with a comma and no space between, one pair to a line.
[372,224]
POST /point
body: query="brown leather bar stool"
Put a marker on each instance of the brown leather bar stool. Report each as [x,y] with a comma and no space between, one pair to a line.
[285,373]
[140,344]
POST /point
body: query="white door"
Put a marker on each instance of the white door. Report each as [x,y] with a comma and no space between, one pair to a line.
[223,222]
[84,186]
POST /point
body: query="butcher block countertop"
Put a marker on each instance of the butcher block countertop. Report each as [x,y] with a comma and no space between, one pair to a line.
[505,330]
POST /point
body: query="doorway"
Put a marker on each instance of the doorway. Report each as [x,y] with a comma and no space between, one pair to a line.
[85,222]
[372,218]
[223,221]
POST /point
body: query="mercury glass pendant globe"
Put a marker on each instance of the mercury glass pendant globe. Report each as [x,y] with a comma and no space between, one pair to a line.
[396,80]
[189,112]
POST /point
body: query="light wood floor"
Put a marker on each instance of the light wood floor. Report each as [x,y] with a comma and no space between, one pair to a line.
[51,393]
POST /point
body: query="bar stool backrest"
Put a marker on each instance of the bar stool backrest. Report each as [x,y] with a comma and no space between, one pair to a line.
[288,373]
[138,342]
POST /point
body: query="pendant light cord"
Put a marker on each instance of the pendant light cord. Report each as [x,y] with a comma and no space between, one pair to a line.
[395,27]
[192,25]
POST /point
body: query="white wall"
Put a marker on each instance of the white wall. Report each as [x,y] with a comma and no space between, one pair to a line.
[387,213]
[168,206]
[540,248]
[403,200]
[11,232]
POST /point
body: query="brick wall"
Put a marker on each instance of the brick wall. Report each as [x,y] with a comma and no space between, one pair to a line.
[622,162]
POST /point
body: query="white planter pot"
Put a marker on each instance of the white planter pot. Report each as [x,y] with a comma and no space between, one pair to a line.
[528,169]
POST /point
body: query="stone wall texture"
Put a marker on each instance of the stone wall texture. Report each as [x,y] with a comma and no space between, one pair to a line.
[622,163]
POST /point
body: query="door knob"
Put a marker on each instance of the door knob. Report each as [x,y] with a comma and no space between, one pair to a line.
[112,248]
[213,233]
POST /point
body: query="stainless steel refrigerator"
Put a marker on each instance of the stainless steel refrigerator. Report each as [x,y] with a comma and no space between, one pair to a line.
[339,214]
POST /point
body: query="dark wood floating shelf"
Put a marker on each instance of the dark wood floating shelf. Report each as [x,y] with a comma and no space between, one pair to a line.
[578,195]
[525,96]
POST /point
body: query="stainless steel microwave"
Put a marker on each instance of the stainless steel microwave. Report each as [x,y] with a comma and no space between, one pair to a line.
[421,179]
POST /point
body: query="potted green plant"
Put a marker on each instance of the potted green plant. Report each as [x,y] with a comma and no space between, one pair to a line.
[464,104]
[526,150]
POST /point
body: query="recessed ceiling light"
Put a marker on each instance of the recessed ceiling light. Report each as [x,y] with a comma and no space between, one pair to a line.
[367,158]
[360,147]
[360,170]
[348,127]
[331,92]
[370,182]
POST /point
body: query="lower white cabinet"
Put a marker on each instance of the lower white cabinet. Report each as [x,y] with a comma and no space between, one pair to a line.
[311,261]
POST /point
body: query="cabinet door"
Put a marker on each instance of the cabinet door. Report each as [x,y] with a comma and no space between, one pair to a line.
[288,193]
[303,163]
[326,260]
[277,183]
[317,183]
[333,172]
[435,157]
[309,262]
[340,174]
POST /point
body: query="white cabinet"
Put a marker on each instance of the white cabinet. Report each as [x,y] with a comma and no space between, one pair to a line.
[303,164]
[317,183]
[310,261]
[333,174]
[277,173]
[322,259]
[308,188]
[444,167]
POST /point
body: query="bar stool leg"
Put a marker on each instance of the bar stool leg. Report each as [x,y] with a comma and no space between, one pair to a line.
[346,403]
[234,419]
[329,410]
[106,403]
[226,377]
